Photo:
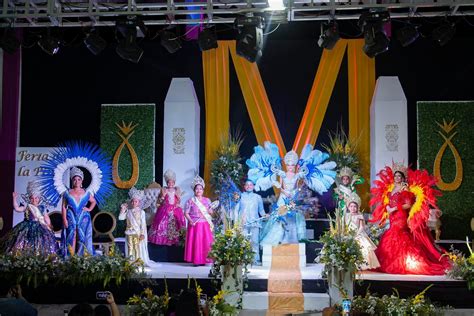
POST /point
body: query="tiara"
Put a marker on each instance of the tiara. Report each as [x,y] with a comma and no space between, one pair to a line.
[134,193]
[346,172]
[291,158]
[399,167]
[198,180]
[76,172]
[353,198]
[169,175]
[33,189]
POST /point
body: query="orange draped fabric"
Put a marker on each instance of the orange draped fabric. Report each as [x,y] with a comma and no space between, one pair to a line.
[361,73]
[319,96]
[215,64]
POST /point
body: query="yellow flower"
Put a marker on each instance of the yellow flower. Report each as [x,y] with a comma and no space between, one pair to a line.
[148,292]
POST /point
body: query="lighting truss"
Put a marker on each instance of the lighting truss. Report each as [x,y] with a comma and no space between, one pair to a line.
[74,13]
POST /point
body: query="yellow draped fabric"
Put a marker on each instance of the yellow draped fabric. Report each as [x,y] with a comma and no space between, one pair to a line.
[361,88]
[285,285]
[260,111]
[215,64]
[319,96]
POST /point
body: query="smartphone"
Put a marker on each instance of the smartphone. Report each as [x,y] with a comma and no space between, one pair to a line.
[203,300]
[101,295]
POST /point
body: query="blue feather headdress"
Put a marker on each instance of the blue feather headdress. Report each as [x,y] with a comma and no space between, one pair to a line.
[76,154]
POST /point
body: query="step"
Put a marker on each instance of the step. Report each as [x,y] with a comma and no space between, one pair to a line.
[259,301]
[267,260]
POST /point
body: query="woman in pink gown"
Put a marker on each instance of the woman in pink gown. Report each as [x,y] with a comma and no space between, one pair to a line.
[169,218]
[199,236]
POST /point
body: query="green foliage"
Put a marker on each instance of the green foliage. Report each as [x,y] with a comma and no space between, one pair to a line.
[148,303]
[142,141]
[462,268]
[227,162]
[393,305]
[455,205]
[35,269]
[342,150]
[340,249]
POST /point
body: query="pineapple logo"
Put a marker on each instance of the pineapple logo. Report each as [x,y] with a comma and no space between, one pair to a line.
[447,133]
[125,133]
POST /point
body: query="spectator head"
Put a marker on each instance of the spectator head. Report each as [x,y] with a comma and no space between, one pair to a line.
[82,309]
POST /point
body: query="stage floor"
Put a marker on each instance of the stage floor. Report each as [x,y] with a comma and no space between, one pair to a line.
[180,270]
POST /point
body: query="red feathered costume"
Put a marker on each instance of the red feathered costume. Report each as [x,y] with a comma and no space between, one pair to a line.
[407,247]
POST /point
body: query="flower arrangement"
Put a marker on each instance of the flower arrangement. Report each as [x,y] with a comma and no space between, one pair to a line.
[148,303]
[231,253]
[36,270]
[227,163]
[394,305]
[340,248]
[462,268]
[343,150]
[219,307]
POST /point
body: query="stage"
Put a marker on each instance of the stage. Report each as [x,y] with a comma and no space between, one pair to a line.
[178,275]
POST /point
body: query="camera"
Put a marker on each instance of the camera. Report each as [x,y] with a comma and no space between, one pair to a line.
[101,295]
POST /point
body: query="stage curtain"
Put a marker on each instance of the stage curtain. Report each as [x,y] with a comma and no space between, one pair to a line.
[320,95]
[256,100]
[215,64]
[361,88]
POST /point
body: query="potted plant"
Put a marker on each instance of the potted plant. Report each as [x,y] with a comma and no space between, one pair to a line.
[231,253]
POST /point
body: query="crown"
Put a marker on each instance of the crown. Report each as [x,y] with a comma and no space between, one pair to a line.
[291,158]
[33,189]
[134,193]
[353,198]
[170,175]
[346,172]
[399,167]
[197,180]
[76,172]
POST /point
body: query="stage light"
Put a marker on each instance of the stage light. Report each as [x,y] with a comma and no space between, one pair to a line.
[207,39]
[170,41]
[373,25]
[8,42]
[407,35]
[444,33]
[94,42]
[127,47]
[329,35]
[249,37]
[49,44]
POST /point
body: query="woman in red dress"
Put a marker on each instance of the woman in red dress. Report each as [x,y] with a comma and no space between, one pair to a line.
[407,246]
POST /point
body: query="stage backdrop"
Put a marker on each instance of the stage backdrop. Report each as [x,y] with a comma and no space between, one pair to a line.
[127,134]
[445,138]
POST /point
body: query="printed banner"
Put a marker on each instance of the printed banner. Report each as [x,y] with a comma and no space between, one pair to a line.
[27,168]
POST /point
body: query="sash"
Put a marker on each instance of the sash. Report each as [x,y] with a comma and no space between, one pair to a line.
[133,221]
[204,212]
[37,214]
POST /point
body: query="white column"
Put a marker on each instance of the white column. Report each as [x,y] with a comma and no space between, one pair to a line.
[181,133]
[388,125]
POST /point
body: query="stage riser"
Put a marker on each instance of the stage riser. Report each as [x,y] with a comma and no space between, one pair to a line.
[452,293]
[259,301]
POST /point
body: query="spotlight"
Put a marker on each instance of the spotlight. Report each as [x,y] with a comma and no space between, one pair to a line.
[94,42]
[249,37]
[170,41]
[8,42]
[373,25]
[444,33]
[127,47]
[49,44]
[207,39]
[407,35]
[329,35]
